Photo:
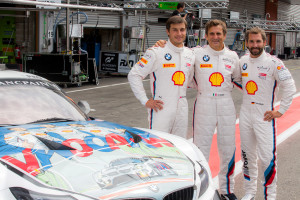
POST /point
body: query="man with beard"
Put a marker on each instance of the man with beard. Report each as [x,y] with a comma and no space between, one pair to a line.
[171,70]
[216,69]
[261,74]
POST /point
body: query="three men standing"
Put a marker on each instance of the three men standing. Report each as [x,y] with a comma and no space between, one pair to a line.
[216,70]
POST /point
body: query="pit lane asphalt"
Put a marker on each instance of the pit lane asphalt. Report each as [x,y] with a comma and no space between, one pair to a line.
[113,100]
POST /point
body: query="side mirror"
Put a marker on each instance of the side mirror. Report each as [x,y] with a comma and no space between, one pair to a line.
[84,106]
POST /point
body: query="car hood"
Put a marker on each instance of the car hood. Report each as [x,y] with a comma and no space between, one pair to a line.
[98,159]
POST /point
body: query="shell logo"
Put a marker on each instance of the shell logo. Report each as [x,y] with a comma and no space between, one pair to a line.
[178,78]
[251,87]
[216,79]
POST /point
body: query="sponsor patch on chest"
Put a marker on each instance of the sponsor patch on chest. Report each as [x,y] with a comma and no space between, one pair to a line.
[251,87]
[216,79]
[262,76]
[178,78]
[206,65]
[228,67]
[263,69]
[168,65]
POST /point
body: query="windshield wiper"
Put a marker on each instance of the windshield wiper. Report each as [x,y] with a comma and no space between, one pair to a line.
[53,119]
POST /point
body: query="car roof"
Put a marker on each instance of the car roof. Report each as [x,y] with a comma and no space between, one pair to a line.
[11,77]
[11,74]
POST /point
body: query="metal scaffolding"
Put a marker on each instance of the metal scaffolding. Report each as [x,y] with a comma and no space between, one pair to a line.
[154,5]
[265,24]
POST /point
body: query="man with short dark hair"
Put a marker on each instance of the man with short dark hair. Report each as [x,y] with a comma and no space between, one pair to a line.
[179,10]
[261,74]
[171,69]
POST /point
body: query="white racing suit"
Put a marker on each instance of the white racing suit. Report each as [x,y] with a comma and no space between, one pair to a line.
[260,78]
[171,69]
[214,72]
[214,107]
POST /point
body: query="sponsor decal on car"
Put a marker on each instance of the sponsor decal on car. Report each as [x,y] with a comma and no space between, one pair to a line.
[27,82]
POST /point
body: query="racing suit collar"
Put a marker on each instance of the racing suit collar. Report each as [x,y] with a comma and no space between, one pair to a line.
[174,48]
[261,57]
[214,52]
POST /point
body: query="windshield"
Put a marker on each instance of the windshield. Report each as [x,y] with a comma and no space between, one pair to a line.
[22,104]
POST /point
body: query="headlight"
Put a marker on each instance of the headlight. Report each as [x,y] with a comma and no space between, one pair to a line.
[203,174]
[24,194]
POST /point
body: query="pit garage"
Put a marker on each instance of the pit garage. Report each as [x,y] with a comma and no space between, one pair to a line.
[85,39]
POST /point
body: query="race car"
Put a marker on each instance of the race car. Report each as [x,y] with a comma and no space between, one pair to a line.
[50,149]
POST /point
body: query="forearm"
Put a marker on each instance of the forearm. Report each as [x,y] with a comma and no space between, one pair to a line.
[136,84]
[288,90]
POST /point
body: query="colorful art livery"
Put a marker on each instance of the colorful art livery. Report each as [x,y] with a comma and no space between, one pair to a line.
[43,150]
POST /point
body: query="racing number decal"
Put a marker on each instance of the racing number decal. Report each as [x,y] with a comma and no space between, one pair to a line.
[216,79]
[178,78]
[251,87]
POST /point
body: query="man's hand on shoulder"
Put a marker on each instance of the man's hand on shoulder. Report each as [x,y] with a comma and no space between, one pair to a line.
[160,43]
[154,104]
[269,115]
